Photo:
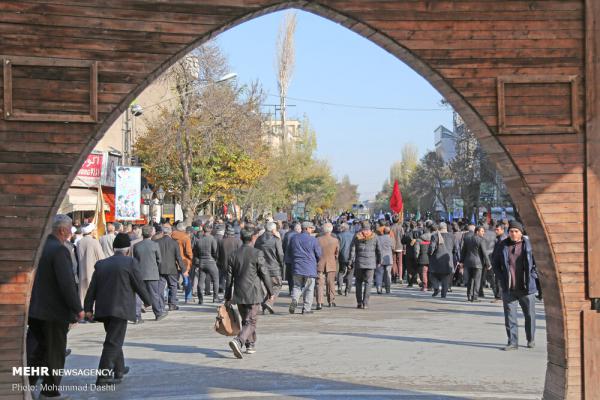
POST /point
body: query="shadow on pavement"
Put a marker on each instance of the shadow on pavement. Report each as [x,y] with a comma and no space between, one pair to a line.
[185,381]
[418,339]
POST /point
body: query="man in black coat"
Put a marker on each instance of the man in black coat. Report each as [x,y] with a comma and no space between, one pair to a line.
[474,258]
[226,247]
[54,305]
[245,271]
[170,265]
[148,255]
[111,300]
[273,252]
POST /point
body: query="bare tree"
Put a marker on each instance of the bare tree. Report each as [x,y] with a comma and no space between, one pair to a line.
[285,61]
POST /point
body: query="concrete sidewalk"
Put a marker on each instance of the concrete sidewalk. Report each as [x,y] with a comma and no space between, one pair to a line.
[407,345]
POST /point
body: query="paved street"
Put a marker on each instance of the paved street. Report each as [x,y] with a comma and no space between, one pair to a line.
[407,345]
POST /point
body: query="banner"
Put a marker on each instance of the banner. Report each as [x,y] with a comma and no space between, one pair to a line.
[128,193]
[90,173]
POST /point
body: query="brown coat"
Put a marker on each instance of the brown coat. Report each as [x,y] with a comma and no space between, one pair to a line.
[185,248]
[331,248]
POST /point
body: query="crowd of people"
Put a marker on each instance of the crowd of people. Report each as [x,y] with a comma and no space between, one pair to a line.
[134,270]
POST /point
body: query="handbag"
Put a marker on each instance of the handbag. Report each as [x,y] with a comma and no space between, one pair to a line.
[227,322]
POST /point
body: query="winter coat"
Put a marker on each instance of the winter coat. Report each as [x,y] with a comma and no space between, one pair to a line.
[387,245]
[330,248]
[422,248]
[502,269]
[106,242]
[89,252]
[304,252]
[148,255]
[365,252]
[206,251]
[273,252]
[246,275]
[473,253]
[409,241]
[441,255]
[171,262]
[185,248]
[345,245]
[227,247]
[398,231]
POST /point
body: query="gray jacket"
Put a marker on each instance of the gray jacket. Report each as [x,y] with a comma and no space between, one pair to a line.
[206,251]
[441,255]
[148,255]
[106,242]
[473,254]
[387,246]
[365,252]
[246,275]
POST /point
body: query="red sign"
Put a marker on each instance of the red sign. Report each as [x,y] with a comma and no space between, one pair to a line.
[90,173]
[92,167]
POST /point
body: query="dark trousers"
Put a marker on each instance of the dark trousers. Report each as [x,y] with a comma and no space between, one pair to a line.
[46,346]
[412,270]
[249,315]
[345,277]
[364,282]
[473,281]
[424,276]
[276,283]
[169,281]
[484,277]
[289,276]
[112,350]
[208,271]
[527,303]
[222,279]
[440,280]
[496,287]
[157,302]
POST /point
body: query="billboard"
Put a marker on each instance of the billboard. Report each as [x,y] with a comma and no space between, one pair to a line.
[128,193]
[90,173]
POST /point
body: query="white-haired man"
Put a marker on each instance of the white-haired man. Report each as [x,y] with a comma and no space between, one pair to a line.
[89,251]
[54,305]
[328,266]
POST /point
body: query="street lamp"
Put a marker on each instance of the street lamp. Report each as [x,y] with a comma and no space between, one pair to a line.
[147,197]
[226,77]
[160,195]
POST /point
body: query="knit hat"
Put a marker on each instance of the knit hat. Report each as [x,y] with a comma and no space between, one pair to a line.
[514,224]
[121,241]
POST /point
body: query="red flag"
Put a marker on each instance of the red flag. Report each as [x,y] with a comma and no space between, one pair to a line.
[396,199]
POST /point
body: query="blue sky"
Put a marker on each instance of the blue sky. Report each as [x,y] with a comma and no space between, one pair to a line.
[333,64]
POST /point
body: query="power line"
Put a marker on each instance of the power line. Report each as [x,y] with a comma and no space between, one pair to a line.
[361,107]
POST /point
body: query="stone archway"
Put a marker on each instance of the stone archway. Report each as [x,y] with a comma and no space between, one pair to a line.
[513,70]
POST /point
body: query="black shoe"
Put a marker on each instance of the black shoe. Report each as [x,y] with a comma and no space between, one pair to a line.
[143,309]
[319,306]
[307,312]
[250,349]
[162,316]
[531,344]
[339,292]
[103,381]
[359,306]
[138,321]
[435,293]
[364,307]
[208,293]
[173,307]
[293,306]
[269,308]
[67,352]
[200,301]
[469,298]
[411,285]
[346,291]
[236,347]
[122,374]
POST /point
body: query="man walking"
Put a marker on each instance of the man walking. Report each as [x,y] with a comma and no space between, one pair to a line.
[383,273]
[365,255]
[328,266]
[272,250]
[206,252]
[305,253]
[516,268]
[89,252]
[107,240]
[170,265]
[111,299]
[147,253]
[500,237]
[346,273]
[474,258]
[246,275]
[398,232]
[54,305]
[287,257]
[185,249]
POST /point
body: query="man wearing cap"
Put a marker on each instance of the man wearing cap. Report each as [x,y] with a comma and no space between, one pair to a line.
[304,252]
[111,299]
[517,273]
[89,251]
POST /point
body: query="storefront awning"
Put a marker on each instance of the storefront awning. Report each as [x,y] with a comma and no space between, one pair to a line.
[78,199]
